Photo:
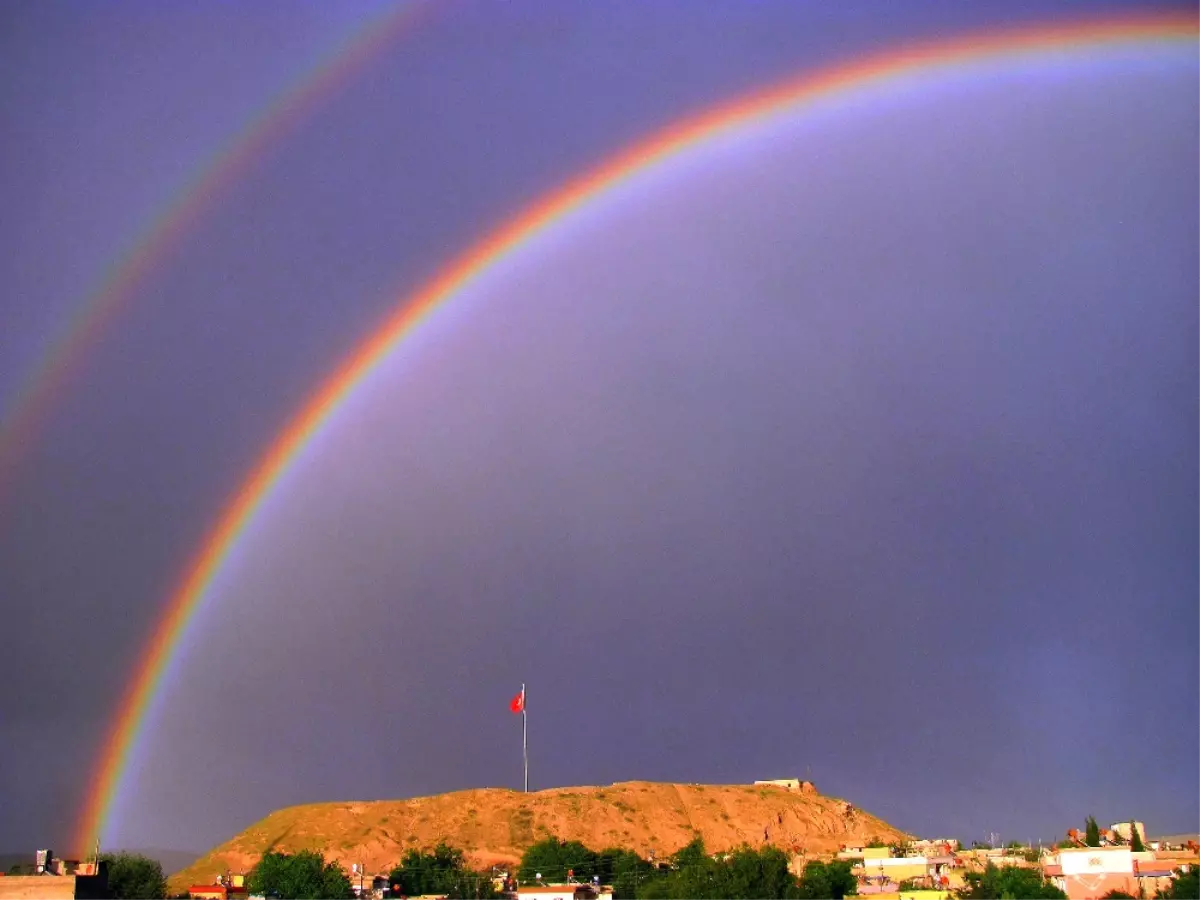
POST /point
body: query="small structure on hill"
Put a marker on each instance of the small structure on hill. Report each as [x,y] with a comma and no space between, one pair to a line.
[789,784]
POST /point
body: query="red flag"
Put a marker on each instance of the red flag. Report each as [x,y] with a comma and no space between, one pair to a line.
[517,704]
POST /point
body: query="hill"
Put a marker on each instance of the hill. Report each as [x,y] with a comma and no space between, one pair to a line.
[496,825]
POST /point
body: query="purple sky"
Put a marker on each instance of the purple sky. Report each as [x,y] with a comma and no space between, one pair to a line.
[861,447]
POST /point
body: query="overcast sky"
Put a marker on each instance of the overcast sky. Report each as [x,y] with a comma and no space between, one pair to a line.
[861,446]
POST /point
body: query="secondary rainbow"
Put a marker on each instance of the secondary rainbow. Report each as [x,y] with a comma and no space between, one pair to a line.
[1061,39]
[166,230]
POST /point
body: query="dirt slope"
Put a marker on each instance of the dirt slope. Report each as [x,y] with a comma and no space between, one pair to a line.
[495,825]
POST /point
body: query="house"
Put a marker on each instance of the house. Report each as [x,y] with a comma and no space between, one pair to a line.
[231,887]
[1123,831]
[880,866]
[564,892]
[788,784]
[1084,872]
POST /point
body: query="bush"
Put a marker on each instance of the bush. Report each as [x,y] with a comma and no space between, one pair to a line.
[994,883]
[304,876]
[441,872]
[132,876]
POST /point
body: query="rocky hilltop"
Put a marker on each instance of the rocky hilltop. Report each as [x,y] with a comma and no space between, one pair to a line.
[496,825]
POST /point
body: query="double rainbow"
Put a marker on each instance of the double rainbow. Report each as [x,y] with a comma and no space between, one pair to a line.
[1061,40]
[35,397]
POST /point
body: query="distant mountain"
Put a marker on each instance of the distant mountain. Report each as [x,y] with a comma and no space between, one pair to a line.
[495,825]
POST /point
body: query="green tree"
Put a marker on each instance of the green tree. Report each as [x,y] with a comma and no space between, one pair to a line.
[1135,841]
[1007,883]
[442,871]
[554,858]
[467,884]
[426,873]
[692,853]
[624,870]
[132,876]
[1186,886]
[1091,835]
[303,876]
[751,873]
[1115,894]
[742,873]
[826,880]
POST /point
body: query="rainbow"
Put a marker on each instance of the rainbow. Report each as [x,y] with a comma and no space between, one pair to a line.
[166,230]
[1058,39]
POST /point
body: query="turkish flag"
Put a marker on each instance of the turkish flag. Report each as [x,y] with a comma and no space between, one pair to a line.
[517,704]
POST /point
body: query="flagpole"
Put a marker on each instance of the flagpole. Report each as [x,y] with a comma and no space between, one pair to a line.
[525,737]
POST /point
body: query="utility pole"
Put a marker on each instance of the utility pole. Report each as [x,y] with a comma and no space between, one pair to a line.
[525,736]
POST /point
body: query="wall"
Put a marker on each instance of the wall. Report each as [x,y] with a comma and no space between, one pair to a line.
[1096,861]
[37,887]
[924,895]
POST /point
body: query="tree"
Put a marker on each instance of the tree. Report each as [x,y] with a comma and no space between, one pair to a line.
[132,876]
[303,876]
[1135,841]
[624,870]
[467,884]
[826,880]
[1115,894]
[1007,883]
[1186,885]
[1091,835]
[426,873]
[441,872]
[691,854]
[742,873]
[554,859]
[761,873]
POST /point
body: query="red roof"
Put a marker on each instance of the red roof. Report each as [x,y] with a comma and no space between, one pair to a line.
[1052,870]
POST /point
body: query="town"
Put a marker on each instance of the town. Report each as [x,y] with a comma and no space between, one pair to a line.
[1091,862]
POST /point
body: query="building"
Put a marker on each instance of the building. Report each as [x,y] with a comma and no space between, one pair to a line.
[1189,842]
[564,892]
[37,887]
[54,887]
[788,784]
[878,872]
[1089,873]
[880,868]
[232,887]
[1124,831]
